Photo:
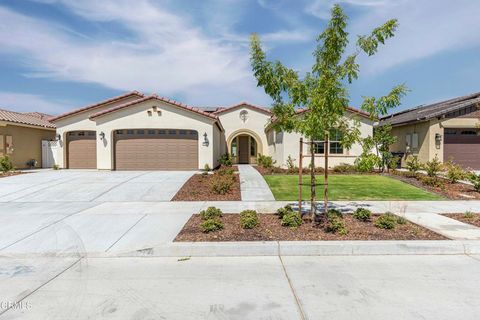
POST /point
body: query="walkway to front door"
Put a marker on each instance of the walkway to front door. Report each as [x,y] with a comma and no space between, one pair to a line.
[252,185]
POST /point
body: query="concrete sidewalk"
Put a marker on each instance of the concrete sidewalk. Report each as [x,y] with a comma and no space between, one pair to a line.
[252,185]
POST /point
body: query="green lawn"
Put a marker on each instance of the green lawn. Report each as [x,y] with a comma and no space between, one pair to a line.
[348,187]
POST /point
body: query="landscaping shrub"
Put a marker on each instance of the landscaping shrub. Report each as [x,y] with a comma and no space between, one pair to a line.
[211,213]
[56,167]
[386,221]
[225,171]
[206,168]
[248,219]
[6,164]
[432,181]
[291,167]
[344,168]
[226,160]
[454,172]
[362,214]
[392,163]
[222,184]
[468,215]
[283,211]
[265,161]
[475,180]
[335,223]
[292,219]
[367,162]
[210,225]
[433,167]
[413,164]
[402,220]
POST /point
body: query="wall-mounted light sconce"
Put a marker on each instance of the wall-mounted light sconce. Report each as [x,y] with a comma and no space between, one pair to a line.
[58,137]
[205,140]
[102,135]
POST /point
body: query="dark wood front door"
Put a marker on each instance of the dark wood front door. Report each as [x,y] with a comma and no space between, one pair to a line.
[243,149]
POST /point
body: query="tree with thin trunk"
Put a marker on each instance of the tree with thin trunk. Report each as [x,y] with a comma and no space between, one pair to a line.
[322,92]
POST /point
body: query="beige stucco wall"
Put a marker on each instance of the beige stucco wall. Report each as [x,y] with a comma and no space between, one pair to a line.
[81,121]
[255,123]
[27,143]
[424,150]
[136,117]
[289,146]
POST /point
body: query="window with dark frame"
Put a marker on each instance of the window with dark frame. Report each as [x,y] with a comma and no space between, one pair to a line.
[335,146]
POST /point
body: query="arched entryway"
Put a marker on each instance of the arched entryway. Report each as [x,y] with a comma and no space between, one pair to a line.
[244,146]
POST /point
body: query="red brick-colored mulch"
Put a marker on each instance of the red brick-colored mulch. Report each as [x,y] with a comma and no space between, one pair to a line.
[452,191]
[475,220]
[270,229]
[198,188]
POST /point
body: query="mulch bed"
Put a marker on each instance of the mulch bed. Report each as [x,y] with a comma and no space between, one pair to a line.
[11,173]
[452,191]
[198,188]
[475,220]
[270,229]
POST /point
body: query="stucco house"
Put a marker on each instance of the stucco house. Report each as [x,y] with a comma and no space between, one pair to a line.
[21,136]
[448,129]
[138,132]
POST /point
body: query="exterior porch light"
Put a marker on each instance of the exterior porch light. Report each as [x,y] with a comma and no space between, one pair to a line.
[205,140]
[58,137]
[102,135]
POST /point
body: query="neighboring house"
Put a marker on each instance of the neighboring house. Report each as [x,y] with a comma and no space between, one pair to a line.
[138,132]
[21,136]
[449,130]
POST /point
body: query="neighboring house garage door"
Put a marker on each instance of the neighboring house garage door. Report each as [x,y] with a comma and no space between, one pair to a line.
[82,150]
[463,147]
[156,149]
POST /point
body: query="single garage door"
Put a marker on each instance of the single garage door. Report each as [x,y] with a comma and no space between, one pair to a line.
[82,150]
[462,146]
[156,149]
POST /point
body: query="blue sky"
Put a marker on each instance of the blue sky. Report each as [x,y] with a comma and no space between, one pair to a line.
[60,54]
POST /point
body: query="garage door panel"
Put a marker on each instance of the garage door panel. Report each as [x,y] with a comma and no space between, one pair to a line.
[164,150]
[462,146]
[81,150]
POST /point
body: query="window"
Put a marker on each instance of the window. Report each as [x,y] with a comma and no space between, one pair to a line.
[91,133]
[71,134]
[119,132]
[172,131]
[140,131]
[81,134]
[468,132]
[415,140]
[183,132]
[253,147]
[129,131]
[151,131]
[450,131]
[193,133]
[162,132]
[335,145]
[319,147]
[234,147]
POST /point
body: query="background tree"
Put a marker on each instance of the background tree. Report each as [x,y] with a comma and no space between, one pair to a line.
[323,91]
[380,141]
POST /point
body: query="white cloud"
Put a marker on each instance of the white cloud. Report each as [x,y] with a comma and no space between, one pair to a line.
[426,28]
[168,55]
[24,102]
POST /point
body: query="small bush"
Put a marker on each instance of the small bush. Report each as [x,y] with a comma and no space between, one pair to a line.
[222,184]
[402,220]
[6,164]
[206,167]
[362,214]
[225,171]
[475,180]
[225,160]
[392,163]
[56,167]
[211,225]
[468,215]
[292,219]
[432,181]
[291,167]
[386,221]
[433,167]
[413,164]
[335,223]
[248,219]
[211,213]
[367,162]
[283,211]
[454,172]
[265,161]
[344,168]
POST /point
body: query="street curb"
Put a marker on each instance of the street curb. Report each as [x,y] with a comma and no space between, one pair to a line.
[306,248]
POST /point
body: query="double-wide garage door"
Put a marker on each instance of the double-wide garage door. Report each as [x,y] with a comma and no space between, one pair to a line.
[462,146]
[81,150]
[156,149]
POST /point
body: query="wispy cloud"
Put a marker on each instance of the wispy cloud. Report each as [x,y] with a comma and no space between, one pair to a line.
[24,102]
[426,28]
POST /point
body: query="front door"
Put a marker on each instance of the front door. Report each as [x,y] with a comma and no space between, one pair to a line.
[243,151]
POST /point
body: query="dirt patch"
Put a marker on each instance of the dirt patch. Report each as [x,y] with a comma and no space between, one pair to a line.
[473,220]
[198,188]
[270,229]
[452,191]
[12,173]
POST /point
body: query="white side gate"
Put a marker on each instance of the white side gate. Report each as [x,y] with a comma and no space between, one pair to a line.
[49,153]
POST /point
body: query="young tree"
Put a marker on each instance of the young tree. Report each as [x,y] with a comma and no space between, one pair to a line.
[323,91]
[381,140]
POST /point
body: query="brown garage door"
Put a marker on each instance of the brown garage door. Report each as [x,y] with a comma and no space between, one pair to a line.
[156,149]
[82,150]
[462,146]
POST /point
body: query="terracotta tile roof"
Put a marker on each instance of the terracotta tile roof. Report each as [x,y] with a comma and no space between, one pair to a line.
[156,97]
[25,118]
[242,104]
[99,104]
[40,115]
